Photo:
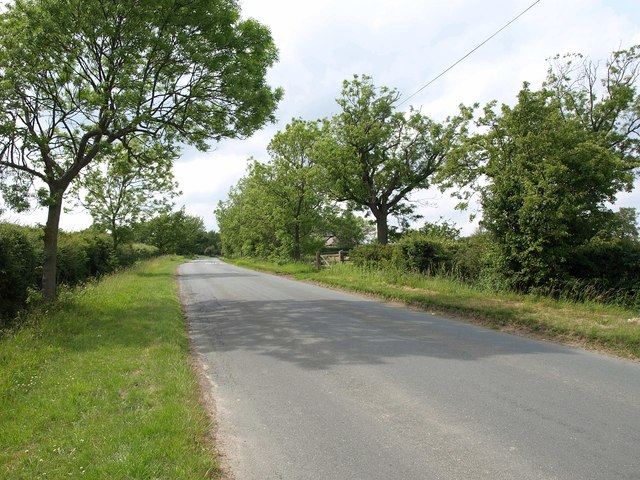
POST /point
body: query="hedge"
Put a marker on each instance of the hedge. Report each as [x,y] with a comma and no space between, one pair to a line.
[81,255]
[20,260]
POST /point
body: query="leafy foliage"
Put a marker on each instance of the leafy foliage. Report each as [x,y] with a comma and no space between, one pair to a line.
[19,261]
[474,261]
[176,232]
[442,230]
[423,253]
[294,186]
[214,245]
[281,208]
[547,168]
[375,156]
[347,229]
[373,255]
[129,185]
[610,261]
[80,76]
[82,255]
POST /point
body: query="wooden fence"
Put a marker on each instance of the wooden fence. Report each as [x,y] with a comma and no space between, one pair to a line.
[324,260]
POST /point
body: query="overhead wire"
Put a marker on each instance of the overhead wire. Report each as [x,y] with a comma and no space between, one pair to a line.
[471,51]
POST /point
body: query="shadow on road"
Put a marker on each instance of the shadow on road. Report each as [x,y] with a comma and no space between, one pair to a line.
[196,276]
[318,334]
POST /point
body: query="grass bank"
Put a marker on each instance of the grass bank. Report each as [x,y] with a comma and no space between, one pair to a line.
[590,324]
[101,386]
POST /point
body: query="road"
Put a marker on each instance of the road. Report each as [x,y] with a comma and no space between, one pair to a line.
[310,383]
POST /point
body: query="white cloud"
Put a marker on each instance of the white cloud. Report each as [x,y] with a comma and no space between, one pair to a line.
[205,179]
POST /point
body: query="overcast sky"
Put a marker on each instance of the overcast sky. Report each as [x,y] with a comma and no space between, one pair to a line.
[402,44]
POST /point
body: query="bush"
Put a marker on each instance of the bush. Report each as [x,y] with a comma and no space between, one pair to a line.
[611,265]
[73,261]
[371,255]
[81,255]
[129,254]
[101,257]
[423,253]
[473,257]
[20,258]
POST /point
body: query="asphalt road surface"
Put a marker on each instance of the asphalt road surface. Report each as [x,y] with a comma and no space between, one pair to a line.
[311,383]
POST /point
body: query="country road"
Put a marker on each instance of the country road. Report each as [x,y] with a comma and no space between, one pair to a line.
[310,383]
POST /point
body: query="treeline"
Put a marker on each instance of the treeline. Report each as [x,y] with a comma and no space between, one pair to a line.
[174,233]
[545,172]
[283,208]
[91,253]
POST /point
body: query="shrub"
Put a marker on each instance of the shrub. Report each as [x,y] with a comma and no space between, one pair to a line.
[129,254]
[100,254]
[20,255]
[423,253]
[611,265]
[73,260]
[371,255]
[473,257]
[81,255]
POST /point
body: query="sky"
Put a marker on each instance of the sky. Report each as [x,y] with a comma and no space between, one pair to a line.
[401,44]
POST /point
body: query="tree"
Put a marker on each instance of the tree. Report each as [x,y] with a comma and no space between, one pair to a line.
[246,218]
[175,232]
[282,207]
[346,229]
[548,168]
[375,156]
[297,184]
[77,76]
[441,229]
[275,209]
[132,184]
[214,246]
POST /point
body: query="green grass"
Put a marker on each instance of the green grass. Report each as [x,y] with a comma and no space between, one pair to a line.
[296,268]
[590,324]
[101,386]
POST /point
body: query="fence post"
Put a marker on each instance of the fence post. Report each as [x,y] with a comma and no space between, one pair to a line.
[318,261]
[341,255]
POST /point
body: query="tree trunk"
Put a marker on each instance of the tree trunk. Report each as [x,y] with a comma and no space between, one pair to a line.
[297,253]
[49,267]
[382,227]
[114,233]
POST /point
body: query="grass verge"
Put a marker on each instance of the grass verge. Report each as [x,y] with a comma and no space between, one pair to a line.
[101,386]
[298,268]
[593,325]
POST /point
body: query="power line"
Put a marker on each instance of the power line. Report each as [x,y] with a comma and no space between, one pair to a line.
[470,52]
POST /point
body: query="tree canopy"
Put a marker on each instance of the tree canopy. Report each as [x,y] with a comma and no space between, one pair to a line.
[296,185]
[127,187]
[175,232]
[548,168]
[375,156]
[282,207]
[77,76]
